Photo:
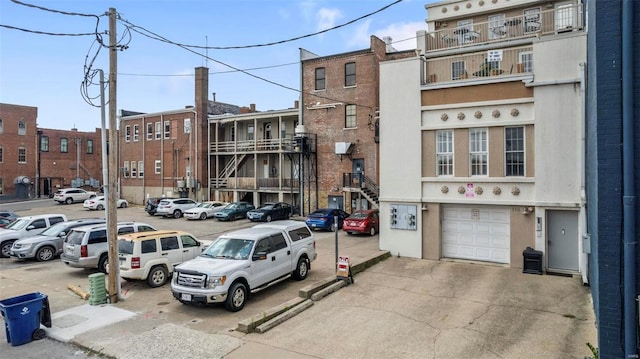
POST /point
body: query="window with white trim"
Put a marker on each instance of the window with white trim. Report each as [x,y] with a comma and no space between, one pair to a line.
[514,151]
[134,169]
[44,143]
[350,116]
[136,133]
[22,127]
[90,147]
[478,151]
[157,167]
[444,153]
[497,28]
[531,20]
[127,134]
[64,145]
[350,74]
[187,125]
[140,169]
[149,131]
[250,130]
[158,130]
[457,70]
[526,59]
[125,169]
[22,155]
[167,129]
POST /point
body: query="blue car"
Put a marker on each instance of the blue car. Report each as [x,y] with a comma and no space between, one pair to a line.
[233,211]
[323,218]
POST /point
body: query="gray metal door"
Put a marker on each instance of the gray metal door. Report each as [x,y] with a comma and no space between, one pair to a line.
[562,240]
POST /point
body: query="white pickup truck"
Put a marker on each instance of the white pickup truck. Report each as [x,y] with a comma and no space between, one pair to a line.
[245,261]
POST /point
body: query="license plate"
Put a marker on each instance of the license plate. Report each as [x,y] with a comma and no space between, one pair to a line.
[185,296]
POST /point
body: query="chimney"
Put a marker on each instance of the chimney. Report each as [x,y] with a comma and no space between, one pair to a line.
[388,40]
[295,104]
[252,107]
[214,97]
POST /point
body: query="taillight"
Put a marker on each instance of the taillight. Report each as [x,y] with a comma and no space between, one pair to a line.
[83,251]
[135,263]
[362,224]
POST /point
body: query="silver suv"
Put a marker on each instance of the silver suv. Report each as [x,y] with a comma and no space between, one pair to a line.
[174,207]
[86,246]
[26,227]
[48,244]
[72,195]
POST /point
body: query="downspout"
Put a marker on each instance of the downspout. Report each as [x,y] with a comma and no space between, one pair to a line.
[195,154]
[144,163]
[301,124]
[209,159]
[161,156]
[583,262]
[628,197]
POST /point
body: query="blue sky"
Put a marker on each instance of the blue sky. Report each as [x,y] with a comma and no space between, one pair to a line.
[47,71]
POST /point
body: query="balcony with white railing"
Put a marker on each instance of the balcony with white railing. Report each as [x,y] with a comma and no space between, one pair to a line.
[517,25]
[481,65]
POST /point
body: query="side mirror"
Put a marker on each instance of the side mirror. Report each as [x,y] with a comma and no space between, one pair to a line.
[259,256]
[62,234]
[31,227]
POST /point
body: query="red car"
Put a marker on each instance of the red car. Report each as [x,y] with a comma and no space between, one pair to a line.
[362,221]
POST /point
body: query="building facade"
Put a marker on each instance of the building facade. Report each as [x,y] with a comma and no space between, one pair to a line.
[340,101]
[18,150]
[496,93]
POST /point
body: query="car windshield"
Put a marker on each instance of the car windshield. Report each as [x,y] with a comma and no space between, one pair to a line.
[18,224]
[359,215]
[99,198]
[229,248]
[321,212]
[204,205]
[267,207]
[55,229]
[164,203]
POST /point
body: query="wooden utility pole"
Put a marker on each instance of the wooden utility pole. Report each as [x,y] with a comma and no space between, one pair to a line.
[112,220]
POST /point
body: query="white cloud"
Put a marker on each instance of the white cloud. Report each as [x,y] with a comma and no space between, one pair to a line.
[327,18]
[360,37]
[403,35]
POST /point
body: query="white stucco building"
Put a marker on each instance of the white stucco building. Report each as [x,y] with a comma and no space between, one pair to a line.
[491,125]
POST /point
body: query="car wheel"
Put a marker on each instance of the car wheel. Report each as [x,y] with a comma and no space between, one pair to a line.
[203,216]
[236,297]
[103,263]
[100,207]
[372,231]
[45,253]
[349,233]
[268,219]
[157,276]
[177,213]
[123,205]
[333,227]
[302,269]
[6,249]
[68,200]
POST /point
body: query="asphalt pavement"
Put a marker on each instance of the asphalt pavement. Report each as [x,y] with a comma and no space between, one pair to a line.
[397,308]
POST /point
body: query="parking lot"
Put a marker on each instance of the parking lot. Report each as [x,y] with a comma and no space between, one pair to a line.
[54,277]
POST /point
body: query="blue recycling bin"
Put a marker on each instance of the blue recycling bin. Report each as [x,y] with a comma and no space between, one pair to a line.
[23,315]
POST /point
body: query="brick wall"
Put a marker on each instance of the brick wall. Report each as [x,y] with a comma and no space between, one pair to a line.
[11,141]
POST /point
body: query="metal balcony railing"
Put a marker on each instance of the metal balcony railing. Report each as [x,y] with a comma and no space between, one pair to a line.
[533,23]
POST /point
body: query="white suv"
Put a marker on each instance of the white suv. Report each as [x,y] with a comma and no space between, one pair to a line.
[72,195]
[151,256]
[86,246]
[24,227]
[174,207]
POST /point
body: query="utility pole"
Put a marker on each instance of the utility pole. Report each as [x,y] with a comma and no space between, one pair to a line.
[112,220]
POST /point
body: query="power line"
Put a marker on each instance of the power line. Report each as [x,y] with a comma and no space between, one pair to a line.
[52,10]
[46,33]
[154,36]
[210,73]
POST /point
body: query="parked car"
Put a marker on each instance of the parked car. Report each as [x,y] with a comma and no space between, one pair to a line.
[4,221]
[48,244]
[151,256]
[24,227]
[362,221]
[9,215]
[323,218]
[152,204]
[270,211]
[174,207]
[86,246]
[204,210]
[244,261]
[72,195]
[99,203]
[233,211]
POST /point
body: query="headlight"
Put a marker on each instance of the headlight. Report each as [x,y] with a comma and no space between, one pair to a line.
[22,246]
[213,282]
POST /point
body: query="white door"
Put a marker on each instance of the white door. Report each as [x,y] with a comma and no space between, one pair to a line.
[476,233]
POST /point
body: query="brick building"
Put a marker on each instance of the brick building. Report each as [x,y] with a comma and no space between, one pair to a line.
[18,150]
[340,99]
[70,158]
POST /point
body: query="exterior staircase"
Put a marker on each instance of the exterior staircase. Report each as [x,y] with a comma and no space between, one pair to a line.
[228,171]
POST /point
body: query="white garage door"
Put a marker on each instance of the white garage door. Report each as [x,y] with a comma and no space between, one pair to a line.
[476,232]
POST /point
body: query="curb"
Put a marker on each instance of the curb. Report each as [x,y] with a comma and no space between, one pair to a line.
[306,296]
